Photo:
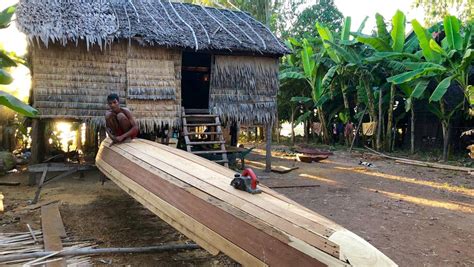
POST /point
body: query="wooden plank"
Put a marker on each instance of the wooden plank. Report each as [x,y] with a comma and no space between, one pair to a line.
[200,116]
[53,229]
[40,185]
[221,177]
[59,167]
[205,142]
[283,169]
[267,248]
[203,133]
[228,194]
[209,152]
[196,111]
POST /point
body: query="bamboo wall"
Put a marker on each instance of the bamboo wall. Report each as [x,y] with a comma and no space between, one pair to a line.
[71,82]
[244,89]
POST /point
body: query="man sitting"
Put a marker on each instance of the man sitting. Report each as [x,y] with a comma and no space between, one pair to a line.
[120,124]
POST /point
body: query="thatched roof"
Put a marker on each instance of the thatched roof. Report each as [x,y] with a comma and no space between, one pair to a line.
[151,22]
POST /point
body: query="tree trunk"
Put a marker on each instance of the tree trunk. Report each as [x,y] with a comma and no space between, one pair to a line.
[412,129]
[324,128]
[379,125]
[306,133]
[445,126]
[292,122]
[346,101]
[388,138]
[371,103]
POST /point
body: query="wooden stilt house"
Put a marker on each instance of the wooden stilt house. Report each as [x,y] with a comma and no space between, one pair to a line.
[159,56]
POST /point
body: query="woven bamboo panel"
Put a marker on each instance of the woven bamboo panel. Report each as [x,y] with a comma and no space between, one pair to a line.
[244,89]
[71,82]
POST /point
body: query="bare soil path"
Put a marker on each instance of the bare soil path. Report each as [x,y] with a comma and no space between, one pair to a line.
[417,216]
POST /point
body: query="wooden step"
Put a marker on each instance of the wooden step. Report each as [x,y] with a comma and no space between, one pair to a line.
[200,116]
[209,152]
[209,133]
[196,111]
[201,124]
[205,142]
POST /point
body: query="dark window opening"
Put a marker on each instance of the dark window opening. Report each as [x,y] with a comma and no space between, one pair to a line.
[195,81]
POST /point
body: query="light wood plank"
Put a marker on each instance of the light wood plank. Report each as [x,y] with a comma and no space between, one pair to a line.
[53,230]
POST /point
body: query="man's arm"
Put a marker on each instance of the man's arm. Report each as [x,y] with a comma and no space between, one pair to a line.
[133,130]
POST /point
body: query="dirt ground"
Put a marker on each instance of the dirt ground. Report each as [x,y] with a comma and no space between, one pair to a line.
[417,216]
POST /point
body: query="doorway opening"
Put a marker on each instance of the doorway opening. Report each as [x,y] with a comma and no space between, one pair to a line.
[195,80]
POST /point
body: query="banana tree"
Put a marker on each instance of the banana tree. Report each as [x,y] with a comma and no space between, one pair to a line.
[350,66]
[7,61]
[447,63]
[313,73]
[388,45]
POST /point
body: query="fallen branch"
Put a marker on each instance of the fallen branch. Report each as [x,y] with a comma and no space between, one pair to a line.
[295,186]
[423,163]
[9,183]
[95,251]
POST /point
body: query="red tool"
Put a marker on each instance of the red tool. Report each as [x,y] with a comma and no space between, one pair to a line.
[247,181]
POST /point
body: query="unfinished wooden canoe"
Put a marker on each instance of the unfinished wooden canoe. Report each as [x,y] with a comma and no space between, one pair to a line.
[194,195]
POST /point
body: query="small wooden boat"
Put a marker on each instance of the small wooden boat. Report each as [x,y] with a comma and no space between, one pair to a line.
[194,195]
[310,158]
[311,151]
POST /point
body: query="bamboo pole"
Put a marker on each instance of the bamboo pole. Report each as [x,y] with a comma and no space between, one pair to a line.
[95,251]
[423,163]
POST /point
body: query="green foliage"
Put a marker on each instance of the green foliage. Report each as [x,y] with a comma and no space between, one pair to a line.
[436,10]
[382,31]
[398,31]
[7,61]
[451,28]
[441,89]
[422,65]
[424,40]
[324,12]
[6,16]
[15,104]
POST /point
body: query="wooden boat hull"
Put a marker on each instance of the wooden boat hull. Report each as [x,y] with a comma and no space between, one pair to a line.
[194,196]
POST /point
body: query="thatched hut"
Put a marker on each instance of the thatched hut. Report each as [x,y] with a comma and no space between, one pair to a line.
[159,56]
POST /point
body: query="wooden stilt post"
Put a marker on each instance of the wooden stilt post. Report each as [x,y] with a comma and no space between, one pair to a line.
[268,148]
[37,141]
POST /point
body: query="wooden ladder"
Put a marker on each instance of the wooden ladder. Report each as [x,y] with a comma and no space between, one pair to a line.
[202,132]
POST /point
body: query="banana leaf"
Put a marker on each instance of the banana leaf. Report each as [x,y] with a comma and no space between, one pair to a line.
[424,39]
[398,31]
[6,16]
[5,77]
[441,89]
[451,28]
[16,105]
[382,31]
